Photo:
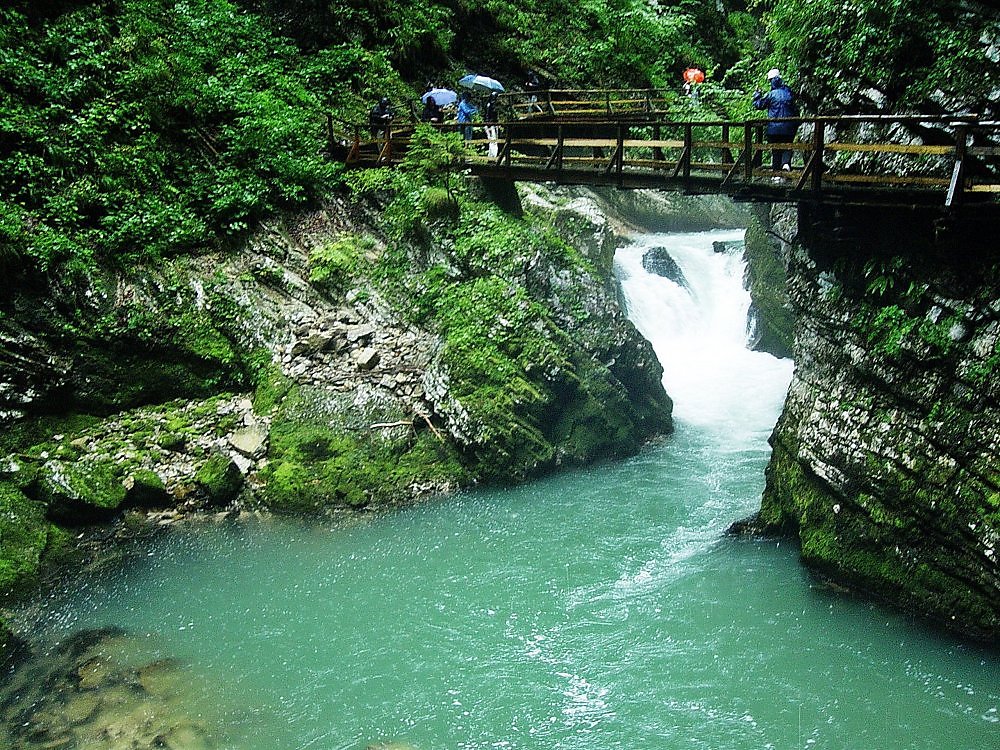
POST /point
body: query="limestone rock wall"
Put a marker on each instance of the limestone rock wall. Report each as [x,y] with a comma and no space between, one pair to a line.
[885,462]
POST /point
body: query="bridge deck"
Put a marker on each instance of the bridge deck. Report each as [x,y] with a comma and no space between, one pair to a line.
[649,150]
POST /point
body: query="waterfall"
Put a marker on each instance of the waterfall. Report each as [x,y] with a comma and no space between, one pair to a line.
[697,324]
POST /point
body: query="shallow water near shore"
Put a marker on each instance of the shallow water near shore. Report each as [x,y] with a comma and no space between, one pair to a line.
[593,609]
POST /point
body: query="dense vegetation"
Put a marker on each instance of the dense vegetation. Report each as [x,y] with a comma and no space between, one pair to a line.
[139,128]
[924,57]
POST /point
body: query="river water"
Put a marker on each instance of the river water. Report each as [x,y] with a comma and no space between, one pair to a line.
[592,610]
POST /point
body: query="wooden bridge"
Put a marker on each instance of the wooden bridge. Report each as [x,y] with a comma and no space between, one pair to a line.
[623,139]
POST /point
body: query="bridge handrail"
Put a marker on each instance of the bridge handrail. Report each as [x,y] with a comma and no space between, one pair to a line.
[561,149]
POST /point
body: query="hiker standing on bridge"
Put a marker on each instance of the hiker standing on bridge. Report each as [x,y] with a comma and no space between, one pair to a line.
[380,118]
[779,103]
[432,111]
[466,111]
[491,116]
[692,77]
[532,85]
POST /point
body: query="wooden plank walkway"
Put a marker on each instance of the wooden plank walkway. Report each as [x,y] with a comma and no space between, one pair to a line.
[646,149]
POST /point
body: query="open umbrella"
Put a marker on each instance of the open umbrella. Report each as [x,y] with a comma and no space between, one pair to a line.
[483,83]
[443,97]
[694,75]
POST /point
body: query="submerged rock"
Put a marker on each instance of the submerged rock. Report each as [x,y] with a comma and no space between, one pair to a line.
[728,246]
[87,693]
[187,736]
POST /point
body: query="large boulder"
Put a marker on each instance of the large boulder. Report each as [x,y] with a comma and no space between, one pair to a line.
[78,492]
[657,260]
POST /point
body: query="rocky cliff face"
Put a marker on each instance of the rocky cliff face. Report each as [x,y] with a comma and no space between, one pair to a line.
[885,458]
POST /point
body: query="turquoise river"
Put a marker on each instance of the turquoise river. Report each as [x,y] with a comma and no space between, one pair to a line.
[592,610]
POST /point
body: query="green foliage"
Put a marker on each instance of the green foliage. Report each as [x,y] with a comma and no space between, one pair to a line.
[147,127]
[435,156]
[882,276]
[332,265]
[601,43]
[905,48]
[367,181]
[888,328]
[438,204]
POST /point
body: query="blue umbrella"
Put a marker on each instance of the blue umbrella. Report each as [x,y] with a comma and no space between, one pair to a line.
[484,83]
[443,97]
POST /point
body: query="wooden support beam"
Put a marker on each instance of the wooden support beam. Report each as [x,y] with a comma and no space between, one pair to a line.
[819,147]
[735,168]
[954,196]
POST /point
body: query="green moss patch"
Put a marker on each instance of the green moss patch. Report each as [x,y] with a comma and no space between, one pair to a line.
[24,533]
[76,493]
[219,479]
[317,460]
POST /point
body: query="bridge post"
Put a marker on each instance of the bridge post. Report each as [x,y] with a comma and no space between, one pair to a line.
[727,154]
[956,186]
[748,151]
[620,155]
[819,134]
[686,155]
[560,139]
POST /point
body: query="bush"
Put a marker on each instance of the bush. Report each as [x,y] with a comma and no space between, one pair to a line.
[438,204]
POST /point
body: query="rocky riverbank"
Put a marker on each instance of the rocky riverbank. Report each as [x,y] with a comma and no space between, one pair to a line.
[327,364]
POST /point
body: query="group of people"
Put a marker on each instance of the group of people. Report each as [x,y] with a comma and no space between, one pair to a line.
[780,103]
[382,115]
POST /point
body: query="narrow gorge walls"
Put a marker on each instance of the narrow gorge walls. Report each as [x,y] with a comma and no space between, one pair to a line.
[885,460]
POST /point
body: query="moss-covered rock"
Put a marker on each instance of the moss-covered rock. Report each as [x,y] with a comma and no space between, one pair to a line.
[24,534]
[884,461]
[219,479]
[145,489]
[321,456]
[79,492]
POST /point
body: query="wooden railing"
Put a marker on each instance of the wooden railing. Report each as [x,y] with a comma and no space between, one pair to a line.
[836,158]
[586,102]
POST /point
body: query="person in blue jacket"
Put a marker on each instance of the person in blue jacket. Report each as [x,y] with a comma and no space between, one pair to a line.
[779,103]
[466,111]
